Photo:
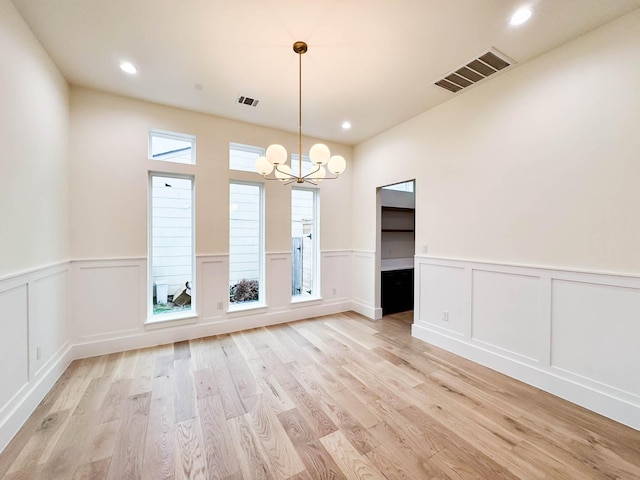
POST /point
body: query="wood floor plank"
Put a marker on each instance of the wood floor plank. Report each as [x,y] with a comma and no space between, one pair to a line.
[340,416]
[45,436]
[246,446]
[144,372]
[112,406]
[275,395]
[126,462]
[190,462]
[276,445]
[222,461]
[97,470]
[319,464]
[159,459]
[184,399]
[278,369]
[350,461]
[229,395]
[400,448]
[312,412]
[336,397]
[241,375]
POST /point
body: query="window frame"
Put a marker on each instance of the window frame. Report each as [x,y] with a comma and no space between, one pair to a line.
[152,318]
[316,273]
[262,301]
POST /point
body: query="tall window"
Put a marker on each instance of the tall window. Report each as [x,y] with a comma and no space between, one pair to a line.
[304,243]
[171,245]
[246,244]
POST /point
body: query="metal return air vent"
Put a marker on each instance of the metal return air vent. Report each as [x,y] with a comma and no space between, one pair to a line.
[477,69]
[248,101]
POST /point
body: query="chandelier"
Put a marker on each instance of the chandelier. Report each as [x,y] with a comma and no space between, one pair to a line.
[275,159]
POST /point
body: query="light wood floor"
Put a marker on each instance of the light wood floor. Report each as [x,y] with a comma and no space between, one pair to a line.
[337,397]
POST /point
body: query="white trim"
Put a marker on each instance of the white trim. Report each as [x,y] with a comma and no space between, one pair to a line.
[617,399]
[548,268]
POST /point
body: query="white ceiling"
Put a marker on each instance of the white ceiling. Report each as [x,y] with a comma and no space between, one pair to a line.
[372,62]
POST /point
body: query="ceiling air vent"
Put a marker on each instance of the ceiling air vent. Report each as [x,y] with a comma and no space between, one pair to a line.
[248,101]
[477,69]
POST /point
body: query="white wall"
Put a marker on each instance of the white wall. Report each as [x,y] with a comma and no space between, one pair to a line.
[534,171]
[538,165]
[109,202]
[34,150]
[34,251]
[110,168]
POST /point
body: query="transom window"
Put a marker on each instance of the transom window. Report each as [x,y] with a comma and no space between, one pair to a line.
[243,157]
[172,147]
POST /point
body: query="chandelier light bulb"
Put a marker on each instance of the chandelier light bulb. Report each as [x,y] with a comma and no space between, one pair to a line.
[337,164]
[263,166]
[319,154]
[276,154]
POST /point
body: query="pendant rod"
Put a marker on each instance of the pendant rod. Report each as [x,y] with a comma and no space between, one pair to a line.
[300,116]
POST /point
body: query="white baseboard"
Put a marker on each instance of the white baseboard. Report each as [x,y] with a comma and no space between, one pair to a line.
[22,405]
[159,336]
[568,389]
[366,310]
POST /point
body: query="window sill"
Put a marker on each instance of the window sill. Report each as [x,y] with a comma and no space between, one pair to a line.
[306,299]
[171,320]
[249,307]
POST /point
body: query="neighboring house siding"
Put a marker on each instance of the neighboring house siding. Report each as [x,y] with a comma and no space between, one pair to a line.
[244,237]
[172,232]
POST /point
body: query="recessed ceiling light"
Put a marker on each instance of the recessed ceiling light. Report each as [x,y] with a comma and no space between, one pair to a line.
[128,68]
[522,15]
[346,125]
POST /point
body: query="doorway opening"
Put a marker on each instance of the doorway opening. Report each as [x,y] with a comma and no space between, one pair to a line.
[396,247]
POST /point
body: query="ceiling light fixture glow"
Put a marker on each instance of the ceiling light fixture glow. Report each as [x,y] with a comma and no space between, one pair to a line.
[275,158]
[346,125]
[128,67]
[522,15]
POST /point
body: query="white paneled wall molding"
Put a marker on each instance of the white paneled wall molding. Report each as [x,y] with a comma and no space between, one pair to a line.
[364,284]
[35,346]
[89,307]
[575,334]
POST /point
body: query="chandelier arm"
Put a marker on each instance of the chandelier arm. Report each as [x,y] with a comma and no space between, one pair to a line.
[276,169]
[312,172]
[324,178]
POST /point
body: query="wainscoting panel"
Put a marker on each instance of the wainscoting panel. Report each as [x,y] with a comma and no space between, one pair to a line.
[212,287]
[596,333]
[48,315]
[505,312]
[34,345]
[278,280]
[14,342]
[336,276]
[364,284]
[572,333]
[109,297]
[441,295]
